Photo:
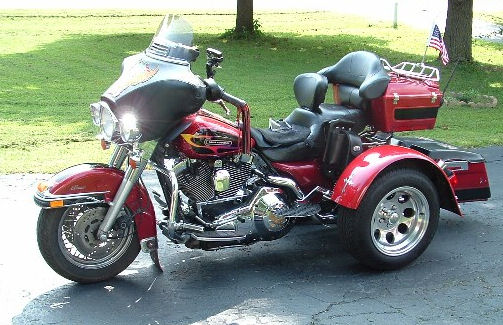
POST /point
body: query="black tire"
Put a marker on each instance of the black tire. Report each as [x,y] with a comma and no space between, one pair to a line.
[49,230]
[394,235]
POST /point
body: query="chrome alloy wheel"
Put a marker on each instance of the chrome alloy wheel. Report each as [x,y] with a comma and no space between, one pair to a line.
[400,221]
[78,241]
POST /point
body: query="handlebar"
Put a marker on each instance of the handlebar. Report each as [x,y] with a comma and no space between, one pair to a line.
[214,92]
[233,100]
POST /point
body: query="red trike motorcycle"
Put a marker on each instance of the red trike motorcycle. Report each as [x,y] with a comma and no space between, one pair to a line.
[226,184]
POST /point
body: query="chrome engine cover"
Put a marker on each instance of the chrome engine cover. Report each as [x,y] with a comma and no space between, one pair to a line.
[267,210]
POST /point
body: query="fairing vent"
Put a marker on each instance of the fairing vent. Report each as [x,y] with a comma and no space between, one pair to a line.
[158,50]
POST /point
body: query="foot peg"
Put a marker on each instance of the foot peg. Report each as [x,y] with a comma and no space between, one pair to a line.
[301,210]
[160,201]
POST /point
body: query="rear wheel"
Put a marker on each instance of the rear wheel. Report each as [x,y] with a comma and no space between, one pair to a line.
[67,239]
[395,221]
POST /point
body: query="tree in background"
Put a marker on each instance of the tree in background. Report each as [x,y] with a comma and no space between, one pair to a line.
[458,30]
[244,17]
[246,27]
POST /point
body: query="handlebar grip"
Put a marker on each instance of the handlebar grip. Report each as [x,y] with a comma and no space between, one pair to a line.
[233,100]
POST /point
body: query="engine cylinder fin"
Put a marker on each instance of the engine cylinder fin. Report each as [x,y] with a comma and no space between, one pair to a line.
[239,175]
[197,181]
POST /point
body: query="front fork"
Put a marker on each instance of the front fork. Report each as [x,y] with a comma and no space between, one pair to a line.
[139,158]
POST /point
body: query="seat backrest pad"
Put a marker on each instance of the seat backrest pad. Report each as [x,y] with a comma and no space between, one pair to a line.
[310,90]
[362,70]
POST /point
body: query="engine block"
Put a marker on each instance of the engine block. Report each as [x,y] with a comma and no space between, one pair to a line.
[196,181]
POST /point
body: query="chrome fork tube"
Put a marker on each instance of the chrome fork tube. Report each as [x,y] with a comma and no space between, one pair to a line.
[118,157]
[174,199]
[131,176]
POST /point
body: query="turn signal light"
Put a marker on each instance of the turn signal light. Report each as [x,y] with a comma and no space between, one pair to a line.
[133,163]
[56,204]
[105,144]
[453,180]
[42,186]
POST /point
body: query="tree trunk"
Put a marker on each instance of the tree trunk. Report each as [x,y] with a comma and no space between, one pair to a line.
[244,17]
[458,30]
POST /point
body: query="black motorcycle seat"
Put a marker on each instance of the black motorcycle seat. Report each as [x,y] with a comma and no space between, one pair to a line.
[306,140]
[327,113]
[284,136]
[360,76]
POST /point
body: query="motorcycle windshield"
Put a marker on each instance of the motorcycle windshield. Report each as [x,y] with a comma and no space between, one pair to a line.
[173,40]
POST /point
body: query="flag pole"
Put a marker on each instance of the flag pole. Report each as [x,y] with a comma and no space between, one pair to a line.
[428,41]
[450,77]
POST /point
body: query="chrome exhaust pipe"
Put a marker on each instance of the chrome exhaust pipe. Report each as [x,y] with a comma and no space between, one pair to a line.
[288,183]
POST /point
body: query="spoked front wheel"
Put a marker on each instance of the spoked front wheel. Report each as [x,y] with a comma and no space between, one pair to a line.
[67,239]
[395,221]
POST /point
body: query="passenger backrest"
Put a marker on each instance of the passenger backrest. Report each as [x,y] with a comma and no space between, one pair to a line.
[360,76]
[310,90]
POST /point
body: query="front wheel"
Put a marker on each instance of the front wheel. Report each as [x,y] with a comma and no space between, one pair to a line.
[67,239]
[395,221]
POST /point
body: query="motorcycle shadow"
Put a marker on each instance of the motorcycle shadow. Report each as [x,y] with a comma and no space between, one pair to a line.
[296,272]
[196,285]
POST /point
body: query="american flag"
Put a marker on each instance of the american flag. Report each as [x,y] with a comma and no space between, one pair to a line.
[437,42]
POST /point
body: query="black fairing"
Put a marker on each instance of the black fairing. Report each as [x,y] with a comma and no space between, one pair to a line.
[158,92]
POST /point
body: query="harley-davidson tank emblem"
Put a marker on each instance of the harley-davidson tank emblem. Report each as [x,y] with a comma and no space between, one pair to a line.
[216,142]
[139,73]
[211,139]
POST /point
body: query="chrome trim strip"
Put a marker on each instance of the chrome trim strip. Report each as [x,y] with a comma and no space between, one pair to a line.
[52,197]
[456,165]
[217,239]
[44,200]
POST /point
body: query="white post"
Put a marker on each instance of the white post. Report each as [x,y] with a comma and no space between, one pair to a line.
[395,16]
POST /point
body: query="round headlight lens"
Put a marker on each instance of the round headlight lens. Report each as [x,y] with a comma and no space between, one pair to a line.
[96,113]
[129,128]
[108,123]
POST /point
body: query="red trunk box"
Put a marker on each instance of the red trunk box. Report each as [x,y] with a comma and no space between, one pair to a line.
[408,104]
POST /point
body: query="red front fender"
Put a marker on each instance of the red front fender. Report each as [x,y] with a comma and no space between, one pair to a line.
[361,172]
[89,178]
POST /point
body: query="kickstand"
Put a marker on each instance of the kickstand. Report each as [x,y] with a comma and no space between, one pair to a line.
[155,258]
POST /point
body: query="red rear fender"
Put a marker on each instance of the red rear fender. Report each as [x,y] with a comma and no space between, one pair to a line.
[361,172]
[99,178]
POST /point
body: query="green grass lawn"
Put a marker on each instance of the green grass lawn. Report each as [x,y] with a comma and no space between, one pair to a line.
[53,64]
[494,17]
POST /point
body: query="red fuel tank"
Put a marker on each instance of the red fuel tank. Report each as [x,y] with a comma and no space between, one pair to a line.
[210,136]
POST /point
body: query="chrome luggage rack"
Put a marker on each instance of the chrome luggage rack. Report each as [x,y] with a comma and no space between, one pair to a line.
[413,70]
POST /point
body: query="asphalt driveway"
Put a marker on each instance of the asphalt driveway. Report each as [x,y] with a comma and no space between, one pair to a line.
[305,278]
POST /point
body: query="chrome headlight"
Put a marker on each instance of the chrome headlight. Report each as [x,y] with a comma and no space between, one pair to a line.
[129,128]
[108,122]
[96,112]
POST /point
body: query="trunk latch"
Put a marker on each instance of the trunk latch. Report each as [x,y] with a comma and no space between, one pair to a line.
[433,97]
[396,98]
